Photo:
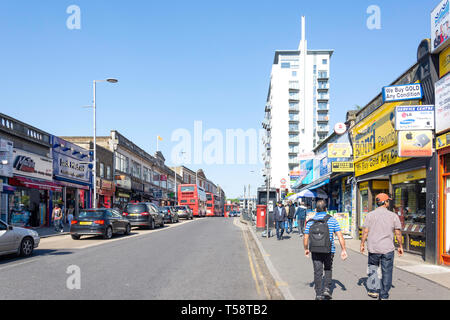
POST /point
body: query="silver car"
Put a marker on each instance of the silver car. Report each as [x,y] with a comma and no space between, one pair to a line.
[17,240]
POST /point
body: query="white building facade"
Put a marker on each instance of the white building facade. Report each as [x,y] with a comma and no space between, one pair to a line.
[297,109]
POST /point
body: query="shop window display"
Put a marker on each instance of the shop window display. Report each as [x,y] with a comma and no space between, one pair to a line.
[410,205]
[20,212]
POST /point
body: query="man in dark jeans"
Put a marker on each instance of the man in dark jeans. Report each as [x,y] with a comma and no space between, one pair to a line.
[280,219]
[290,216]
[300,215]
[323,262]
[379,227]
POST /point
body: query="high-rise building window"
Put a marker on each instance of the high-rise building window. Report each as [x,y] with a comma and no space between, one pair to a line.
[324,61]
[102,170]
[294,73]
[285,65]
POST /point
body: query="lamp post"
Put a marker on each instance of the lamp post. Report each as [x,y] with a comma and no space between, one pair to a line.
[95,140]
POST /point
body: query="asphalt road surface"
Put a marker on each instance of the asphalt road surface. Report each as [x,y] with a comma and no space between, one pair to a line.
[209,258]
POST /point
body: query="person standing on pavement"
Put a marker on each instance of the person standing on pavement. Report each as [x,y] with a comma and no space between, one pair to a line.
[322,248]
[70,215]
[379,228]
[57,217]
[300,215]
[280,220]
[290,216]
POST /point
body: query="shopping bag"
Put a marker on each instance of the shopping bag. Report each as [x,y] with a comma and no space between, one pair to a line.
[295,223]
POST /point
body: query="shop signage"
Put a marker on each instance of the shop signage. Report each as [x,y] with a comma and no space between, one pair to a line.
[376,132]
[444,62]
[443,141]
[409,176]
[31,165]
[340,128]
[402,92]
[440,22]
[442,101]
[157,194]
[6,158]
[123,182]
[414,118]
[381,160]
[415,143]
[344,166]
[339,150]
[70,168]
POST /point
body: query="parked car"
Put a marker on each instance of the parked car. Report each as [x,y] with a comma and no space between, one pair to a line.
[170,214]
[184,212]
[104,222]
[17,240]
[234,214]
[144,214]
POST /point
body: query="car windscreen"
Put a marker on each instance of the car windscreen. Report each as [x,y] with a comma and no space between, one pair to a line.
[164,209]
[85,214]
[136,208]
[180,208]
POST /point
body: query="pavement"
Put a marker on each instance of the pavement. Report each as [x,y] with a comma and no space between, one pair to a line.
[45,232]
[413,278]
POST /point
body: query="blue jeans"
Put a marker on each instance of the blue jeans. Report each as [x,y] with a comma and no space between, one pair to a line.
[301,225]
[374,283]
[58,225]
[279,225]
[290,221]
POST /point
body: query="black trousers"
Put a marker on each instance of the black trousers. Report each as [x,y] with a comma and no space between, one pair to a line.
[323,265]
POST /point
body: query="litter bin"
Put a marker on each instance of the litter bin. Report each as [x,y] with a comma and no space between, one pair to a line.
[261,211]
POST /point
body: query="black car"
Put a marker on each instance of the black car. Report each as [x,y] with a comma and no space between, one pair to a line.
[104,222]
[170,214]
[143,214]
[184,212]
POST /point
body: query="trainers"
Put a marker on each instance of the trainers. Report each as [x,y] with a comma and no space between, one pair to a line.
[320,298]
[327,295]
[374,295]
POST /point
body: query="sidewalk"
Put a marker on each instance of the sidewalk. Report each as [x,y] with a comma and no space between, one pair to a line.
[45,232]
[413,279]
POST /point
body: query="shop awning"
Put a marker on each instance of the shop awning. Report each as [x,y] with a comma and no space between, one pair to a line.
[8,189]
[34,184]
[320,184]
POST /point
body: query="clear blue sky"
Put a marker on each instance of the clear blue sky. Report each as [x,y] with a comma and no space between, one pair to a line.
[182,61]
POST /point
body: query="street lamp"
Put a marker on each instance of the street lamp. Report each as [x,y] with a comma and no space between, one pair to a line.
[110,80]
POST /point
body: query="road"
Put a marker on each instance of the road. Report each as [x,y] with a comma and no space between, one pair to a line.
[209,258]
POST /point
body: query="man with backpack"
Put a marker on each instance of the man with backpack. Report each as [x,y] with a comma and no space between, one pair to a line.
[290,208]
[319,241]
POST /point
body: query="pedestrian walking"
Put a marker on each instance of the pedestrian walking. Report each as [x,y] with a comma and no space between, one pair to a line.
[379,228]
[300,216]
[290,211]
[280,220]
[319,241]
[57,217]
[70,215]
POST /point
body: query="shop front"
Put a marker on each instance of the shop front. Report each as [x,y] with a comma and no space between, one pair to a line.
[105,193]
[444,200]
[71,171]
[123,191]
[6,171]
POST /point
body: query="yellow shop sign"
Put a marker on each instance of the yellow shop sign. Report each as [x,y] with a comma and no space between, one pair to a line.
[380,160]
[444,62]
[377,131]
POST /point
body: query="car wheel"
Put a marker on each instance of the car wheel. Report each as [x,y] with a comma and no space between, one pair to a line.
[76,237]
[127,229]
[26,247]
[108,233]
[162,224]
[152,224]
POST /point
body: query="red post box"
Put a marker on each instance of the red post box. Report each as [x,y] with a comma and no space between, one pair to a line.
[261,211]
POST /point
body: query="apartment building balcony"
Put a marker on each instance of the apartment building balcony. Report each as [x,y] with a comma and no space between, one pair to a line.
[294,109]
[268,107]
[294,140]
[323,98]
[323,129]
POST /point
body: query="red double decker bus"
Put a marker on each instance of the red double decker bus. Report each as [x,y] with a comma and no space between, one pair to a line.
[193,196]
[210,205]
[228,208]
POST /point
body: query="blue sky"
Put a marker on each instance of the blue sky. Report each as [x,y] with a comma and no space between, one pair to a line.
[182,61]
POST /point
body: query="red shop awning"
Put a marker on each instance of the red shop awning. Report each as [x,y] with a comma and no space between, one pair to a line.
[34,184]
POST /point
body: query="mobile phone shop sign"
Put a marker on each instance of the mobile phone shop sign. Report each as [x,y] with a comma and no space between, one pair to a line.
[414,118]
[402,92]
